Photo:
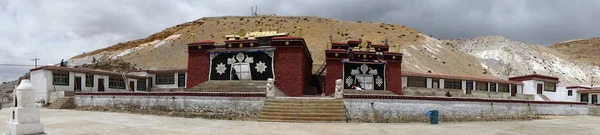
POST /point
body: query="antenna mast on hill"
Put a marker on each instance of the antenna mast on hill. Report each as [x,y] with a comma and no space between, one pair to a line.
[254,11]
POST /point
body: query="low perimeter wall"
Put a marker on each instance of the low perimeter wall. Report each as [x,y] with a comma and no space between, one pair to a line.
[240,104]
[411,109]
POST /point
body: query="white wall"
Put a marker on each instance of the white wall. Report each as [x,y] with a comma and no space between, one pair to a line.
[404,81]
[38,80]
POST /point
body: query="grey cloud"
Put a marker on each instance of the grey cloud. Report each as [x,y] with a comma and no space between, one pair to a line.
[55,30]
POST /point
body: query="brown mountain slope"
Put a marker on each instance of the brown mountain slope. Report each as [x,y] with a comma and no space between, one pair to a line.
[587,50]
[167,49]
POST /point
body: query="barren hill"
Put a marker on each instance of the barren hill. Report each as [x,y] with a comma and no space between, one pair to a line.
[587,50]
[504,58]
[167,49]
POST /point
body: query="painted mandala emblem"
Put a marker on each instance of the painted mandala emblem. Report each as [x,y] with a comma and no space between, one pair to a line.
[221,68]
[260,67]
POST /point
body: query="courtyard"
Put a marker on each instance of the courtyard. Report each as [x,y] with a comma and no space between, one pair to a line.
[66,122]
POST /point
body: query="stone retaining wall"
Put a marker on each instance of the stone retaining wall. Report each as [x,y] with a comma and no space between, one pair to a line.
[232,105]
[417,91]
[403,110]
[594,110]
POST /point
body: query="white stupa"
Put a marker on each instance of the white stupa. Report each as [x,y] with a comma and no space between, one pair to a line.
[25,117]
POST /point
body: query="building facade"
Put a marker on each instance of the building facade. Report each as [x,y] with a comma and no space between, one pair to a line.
[363,65]
[248,56]
[50,80]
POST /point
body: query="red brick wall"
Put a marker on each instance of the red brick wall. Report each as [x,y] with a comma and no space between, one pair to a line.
[290,64]
[198,64]
[334,72]
[393,76]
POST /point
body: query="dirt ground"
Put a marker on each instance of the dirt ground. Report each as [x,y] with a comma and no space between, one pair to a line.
[68,122]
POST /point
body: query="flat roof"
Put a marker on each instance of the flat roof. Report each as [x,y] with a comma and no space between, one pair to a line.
[442,76]
[534,76]
[85,70]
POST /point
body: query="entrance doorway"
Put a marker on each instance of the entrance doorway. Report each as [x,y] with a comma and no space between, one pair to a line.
[77,84]
[539,88]
[469,87]
[513,90]
[131,85]
[181,80]
[594,99]
[100,84]
[241,71]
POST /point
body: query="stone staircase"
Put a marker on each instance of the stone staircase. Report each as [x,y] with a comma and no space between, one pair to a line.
[63,103]
[544,97]
[303,110]
[231,86]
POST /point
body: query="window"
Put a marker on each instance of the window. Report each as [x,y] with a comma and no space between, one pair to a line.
[60,78]
[435,83]
[482,86]
[570,93]
[583,98]
[469,85]
[493,87]
[116,83]
[417,82]
[548,86]
[503,87]
[453,84]
[89,80]
[165,79]
[141,85]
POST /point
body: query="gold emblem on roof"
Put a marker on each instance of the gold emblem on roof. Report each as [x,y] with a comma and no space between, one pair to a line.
[242,34]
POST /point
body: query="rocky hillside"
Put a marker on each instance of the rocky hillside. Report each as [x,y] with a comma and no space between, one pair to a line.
[586,50]
[503,58]
[167,49]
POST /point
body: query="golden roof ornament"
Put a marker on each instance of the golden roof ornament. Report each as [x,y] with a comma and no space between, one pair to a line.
[397,47]
[241,32]
[193,37]
[364,45]
[329,45]
[299,30]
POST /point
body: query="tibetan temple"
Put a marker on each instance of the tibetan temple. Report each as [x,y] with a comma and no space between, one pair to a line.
[359,63]
[250,56]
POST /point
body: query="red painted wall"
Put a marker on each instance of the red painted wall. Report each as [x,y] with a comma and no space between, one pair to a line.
[290,70]
[334,72]
[198,64]
[393,77]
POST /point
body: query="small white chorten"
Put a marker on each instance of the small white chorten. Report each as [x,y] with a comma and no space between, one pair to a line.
[25,117]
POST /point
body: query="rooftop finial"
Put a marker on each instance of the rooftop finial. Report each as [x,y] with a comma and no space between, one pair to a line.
[397,47]
[386,41]
[299,30]
[193,37]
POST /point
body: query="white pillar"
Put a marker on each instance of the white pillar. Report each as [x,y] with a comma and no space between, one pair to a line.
[496,87]
[404,82]
[441,83]
[488,86]
[510,89]
[590,98]
[464,86]
[429,83]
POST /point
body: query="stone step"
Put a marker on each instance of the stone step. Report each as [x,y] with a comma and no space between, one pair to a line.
[63,103]
[303,111]
[299,121]
[303,114]
[304,101]
[303,104]
[228,90]
[315,108]
[268,118]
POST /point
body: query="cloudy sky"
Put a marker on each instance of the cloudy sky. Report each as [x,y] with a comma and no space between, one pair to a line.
[59,29]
